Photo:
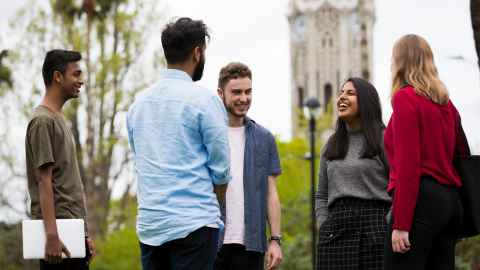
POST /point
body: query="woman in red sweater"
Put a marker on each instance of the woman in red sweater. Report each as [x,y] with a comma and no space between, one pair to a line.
[421,140]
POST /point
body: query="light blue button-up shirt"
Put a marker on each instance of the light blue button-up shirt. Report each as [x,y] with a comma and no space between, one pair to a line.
[178,135]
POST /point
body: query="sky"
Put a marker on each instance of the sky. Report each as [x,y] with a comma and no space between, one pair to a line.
[256,33]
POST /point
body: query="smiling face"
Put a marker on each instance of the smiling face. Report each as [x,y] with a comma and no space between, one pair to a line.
[237,96]
[71,81]
[347,104]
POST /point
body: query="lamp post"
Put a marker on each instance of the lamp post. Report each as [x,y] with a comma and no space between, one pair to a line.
[311,111]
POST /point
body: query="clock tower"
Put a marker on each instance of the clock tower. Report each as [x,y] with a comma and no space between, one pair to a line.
[330,41]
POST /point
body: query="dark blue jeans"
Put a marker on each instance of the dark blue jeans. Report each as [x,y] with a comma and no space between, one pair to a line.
[197,251]
[235,257]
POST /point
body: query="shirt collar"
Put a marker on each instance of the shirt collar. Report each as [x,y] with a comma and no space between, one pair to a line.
[248,122]
[175,74]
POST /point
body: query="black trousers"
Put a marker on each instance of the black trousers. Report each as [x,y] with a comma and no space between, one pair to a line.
[69,264]
[197,251]
[235,257]
[436,221]
[66,264]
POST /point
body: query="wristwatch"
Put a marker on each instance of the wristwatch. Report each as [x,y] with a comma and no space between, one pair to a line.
[276,238]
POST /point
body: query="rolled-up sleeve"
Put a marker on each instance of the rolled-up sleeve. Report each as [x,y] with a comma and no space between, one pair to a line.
[213,128]
[130,132]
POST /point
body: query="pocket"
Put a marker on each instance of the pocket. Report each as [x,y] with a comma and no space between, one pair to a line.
[329,231]
[327,238]
[376,238]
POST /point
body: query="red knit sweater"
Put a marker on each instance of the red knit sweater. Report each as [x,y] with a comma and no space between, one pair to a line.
[420,139]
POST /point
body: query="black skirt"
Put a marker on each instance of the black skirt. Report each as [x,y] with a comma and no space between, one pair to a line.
[353,235]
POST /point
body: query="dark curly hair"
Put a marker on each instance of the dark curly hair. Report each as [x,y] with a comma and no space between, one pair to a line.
[231,71]
[179,38]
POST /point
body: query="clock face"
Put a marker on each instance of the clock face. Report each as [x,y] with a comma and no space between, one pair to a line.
[344,4]
[298,28]
[354,23]
[340,4]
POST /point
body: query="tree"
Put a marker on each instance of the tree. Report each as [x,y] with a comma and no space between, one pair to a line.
[113,36]
[11,249]
[6,84]
[475,16]
[5,73]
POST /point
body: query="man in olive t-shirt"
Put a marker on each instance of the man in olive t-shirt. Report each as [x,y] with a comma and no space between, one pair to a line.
[49,141]
[54,182]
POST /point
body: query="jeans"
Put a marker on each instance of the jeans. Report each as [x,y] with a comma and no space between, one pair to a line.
[197,251]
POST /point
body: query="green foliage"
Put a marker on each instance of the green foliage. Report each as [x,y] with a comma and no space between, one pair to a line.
[120,251]
[295,170]
[468,253]
[296,231]
[120,248]
[11,249]
[294,191]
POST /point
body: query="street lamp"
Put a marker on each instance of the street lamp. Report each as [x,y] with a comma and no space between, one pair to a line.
[311,110]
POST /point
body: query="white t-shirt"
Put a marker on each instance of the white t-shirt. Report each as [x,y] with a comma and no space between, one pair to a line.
[235,219]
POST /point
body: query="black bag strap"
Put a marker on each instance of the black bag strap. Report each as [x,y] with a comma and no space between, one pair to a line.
[461,132]
[384,160]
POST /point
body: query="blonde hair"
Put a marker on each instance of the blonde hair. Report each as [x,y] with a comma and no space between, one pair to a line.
[413,64]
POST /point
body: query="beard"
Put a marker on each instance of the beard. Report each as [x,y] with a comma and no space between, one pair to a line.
[230,108]
[69,92]
[198,72]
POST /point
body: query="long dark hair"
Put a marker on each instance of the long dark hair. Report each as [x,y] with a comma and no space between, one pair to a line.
[370,112]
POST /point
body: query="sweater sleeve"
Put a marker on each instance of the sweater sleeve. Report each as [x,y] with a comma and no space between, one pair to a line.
[321,196]
[406,142]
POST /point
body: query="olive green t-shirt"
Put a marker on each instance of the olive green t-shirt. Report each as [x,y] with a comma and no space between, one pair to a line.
[50,141]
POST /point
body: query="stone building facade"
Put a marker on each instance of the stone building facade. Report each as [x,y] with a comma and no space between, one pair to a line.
[330,41]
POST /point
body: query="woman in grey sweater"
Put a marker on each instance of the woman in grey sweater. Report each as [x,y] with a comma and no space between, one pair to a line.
[352,198]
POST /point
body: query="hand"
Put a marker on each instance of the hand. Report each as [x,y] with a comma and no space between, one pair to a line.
[220,191]
[54,249]
[400,242]
[274,255]
[91,248]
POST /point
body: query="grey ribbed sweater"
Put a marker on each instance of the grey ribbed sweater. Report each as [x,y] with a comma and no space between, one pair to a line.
[352,176]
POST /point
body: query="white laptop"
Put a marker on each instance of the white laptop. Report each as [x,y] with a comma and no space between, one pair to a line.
[70,231]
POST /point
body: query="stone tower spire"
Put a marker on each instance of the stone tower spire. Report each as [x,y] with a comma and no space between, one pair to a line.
[330,41]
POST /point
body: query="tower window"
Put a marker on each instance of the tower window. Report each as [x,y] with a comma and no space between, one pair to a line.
[300,97]
[366,74]
[319,89]
[365,57]
[364,42]
[327,95]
